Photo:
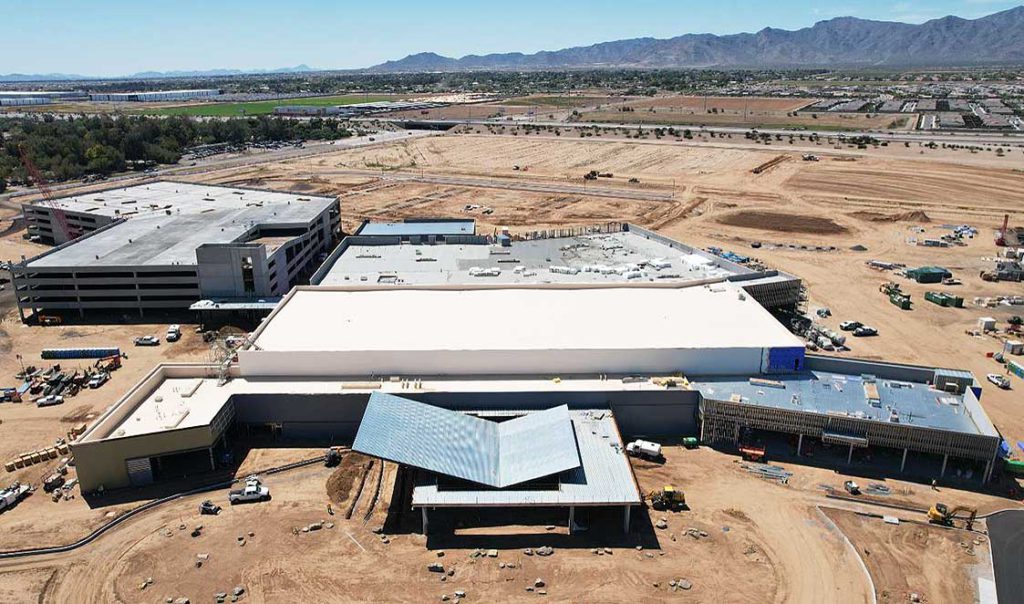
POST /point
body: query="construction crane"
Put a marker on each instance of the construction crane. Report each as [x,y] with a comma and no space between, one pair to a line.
[48,199]
[942,514]
[1001,233]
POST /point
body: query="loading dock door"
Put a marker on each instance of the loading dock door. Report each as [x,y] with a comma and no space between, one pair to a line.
[140,471]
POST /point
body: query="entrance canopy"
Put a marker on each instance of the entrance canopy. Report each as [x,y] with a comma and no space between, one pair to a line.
[469,448]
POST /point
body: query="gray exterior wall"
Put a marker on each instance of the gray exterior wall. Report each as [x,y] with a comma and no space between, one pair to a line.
[40,221]
[220,270]
[337,416]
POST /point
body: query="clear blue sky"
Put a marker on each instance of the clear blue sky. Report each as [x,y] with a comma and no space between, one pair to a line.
[115,37]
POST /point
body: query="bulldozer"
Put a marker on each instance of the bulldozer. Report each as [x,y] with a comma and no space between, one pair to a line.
[942,514]
[668,498]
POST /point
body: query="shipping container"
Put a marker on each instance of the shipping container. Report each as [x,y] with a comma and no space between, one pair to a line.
[79,353]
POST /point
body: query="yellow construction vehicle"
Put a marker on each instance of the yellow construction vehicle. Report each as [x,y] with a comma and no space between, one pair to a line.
[942,514]
[667,498]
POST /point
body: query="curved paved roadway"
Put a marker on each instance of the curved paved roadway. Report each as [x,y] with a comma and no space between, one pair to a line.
[1006,532]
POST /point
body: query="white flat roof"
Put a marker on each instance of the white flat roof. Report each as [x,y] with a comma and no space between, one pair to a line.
[192,401]
[167,221]
[174,405]
[539,318]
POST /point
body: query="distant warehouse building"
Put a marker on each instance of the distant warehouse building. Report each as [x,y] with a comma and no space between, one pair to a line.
[167,245]
[155,96]
[19,98]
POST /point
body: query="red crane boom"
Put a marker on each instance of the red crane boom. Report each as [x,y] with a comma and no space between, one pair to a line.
[48,199]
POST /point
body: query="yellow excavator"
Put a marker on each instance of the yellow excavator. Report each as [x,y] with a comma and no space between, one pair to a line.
[667,498]
[942,514]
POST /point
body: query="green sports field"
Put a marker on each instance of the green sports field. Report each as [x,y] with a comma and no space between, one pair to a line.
[263,107]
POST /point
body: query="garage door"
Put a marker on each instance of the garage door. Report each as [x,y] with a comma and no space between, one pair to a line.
[140,472]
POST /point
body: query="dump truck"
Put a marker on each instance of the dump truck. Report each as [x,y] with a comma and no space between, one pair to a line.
[644,449]
[668,498]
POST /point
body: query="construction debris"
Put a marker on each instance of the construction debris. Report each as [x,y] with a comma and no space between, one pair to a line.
[769,472]
[545,550]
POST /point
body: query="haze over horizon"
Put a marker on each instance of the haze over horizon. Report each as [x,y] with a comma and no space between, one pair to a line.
[118,38]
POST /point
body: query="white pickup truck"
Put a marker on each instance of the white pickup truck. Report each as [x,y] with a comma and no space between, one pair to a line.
[252,491]
[644,449]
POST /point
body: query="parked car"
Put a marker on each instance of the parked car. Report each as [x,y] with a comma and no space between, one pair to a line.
[147,341]
[850,325]
[851,487]
[998,380]
[864,331]
[50,400]
[98,380]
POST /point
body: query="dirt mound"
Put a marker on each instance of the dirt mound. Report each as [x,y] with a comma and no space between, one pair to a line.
[913,216]
[341,481]
[783,223]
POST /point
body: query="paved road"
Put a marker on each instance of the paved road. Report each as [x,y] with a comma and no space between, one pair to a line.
[963,138]
[509,184]
[1006,532]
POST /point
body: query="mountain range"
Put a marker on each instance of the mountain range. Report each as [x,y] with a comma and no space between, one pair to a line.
[997,39]
[841,42]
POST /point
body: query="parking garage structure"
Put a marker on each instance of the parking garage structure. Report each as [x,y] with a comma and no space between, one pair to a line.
[167,245]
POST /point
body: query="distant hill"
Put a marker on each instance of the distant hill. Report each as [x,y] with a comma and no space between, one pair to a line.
[149,75]
[840,42]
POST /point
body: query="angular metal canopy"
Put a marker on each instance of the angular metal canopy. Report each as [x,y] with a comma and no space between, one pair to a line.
[459,445]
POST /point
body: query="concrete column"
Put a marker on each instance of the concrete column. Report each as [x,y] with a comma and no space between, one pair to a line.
[423,510]
[213,463]
[799,445]
[945,458]
[572,517]
[701,425]
[849,458]
[625,520]
[988,472]
[904,462]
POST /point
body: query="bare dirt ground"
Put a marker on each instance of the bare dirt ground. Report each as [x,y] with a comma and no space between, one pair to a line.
[772,536]
[913,558]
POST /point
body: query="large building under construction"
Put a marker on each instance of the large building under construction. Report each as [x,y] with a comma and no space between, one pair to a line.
[451,252]
[705,360]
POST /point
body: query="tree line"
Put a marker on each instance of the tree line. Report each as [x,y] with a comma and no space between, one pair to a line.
[72,147]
